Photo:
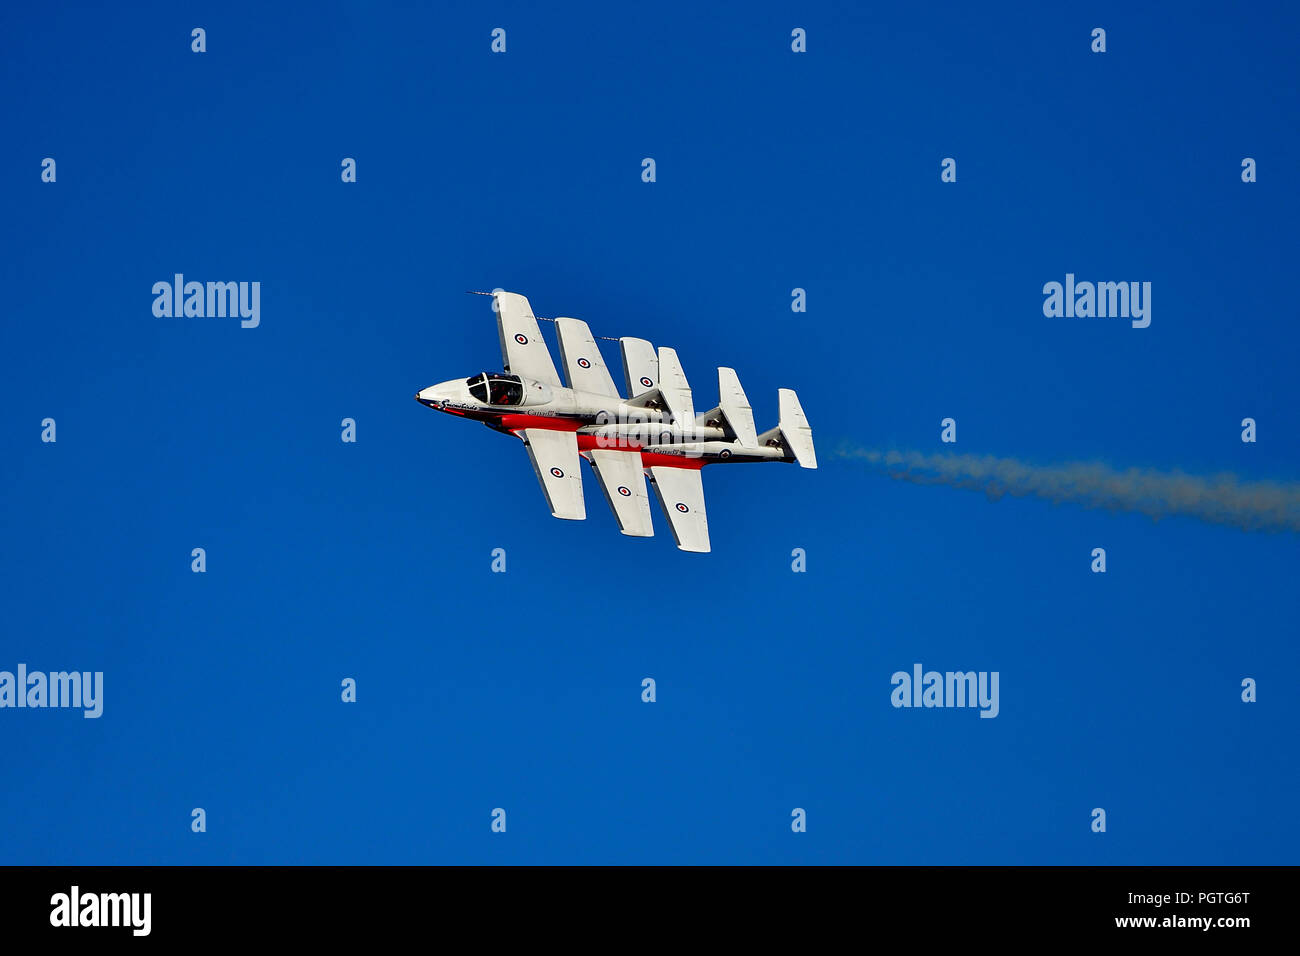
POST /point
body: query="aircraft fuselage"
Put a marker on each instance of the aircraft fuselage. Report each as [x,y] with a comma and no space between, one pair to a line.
[598,420]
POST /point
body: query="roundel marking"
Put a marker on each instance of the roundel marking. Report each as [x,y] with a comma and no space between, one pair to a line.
[583,363]
[557,473]
[681,506]
[647,382]
[624,490]
[521,338]
[725,453]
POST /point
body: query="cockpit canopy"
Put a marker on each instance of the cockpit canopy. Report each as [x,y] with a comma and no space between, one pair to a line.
[493,388]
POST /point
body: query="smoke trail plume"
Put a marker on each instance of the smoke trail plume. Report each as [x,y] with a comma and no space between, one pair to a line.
[1221,499]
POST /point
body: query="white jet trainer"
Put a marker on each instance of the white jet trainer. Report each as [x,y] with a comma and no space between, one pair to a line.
[654,432]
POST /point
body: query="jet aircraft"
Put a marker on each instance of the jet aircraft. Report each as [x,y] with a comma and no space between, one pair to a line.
[654,432]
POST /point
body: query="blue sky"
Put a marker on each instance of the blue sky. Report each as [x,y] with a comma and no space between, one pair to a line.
[521,690]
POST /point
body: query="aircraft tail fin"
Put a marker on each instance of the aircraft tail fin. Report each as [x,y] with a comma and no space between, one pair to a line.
[673,386]
[793,434]
[733,410]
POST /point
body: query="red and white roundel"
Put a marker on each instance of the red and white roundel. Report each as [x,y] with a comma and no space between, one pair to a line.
[557,473]
[624,490]
[681,506]
[646,382]
[583,363]
[521,338]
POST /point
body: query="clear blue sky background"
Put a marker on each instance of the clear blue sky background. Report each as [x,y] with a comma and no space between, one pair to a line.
[522,690]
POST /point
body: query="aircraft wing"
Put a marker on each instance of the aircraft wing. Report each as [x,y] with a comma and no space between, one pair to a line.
[555,460]
[681,493]
[620,476]
[522,347]
[581,358]
[640,365]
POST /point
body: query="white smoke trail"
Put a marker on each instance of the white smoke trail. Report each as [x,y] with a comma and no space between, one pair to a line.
[1221,499]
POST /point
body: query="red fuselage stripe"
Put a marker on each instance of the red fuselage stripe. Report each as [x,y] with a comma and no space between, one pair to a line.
[648,458]
[517,423]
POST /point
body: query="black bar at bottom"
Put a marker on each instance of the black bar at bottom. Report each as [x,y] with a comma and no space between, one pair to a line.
[338,905]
